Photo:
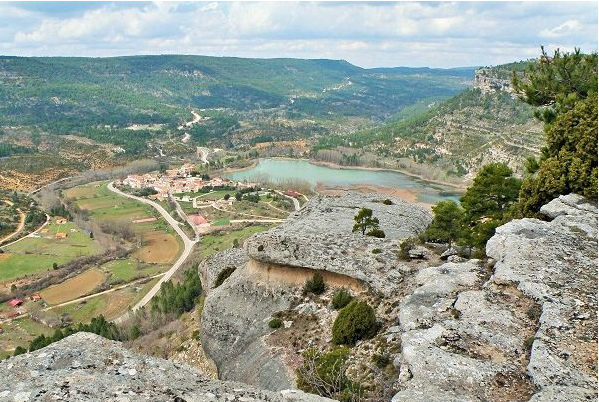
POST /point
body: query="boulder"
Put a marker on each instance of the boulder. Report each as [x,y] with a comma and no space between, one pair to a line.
[448,253]
[85,367]
[320,237]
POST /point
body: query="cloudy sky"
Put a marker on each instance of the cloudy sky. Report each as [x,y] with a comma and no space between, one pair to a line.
[435,34]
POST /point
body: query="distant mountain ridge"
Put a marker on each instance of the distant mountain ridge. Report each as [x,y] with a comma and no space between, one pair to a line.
[142,89]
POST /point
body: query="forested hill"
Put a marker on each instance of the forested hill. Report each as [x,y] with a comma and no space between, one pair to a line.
[161,89]
[451,139]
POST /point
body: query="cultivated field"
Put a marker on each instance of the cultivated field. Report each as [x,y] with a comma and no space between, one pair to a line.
[73,288]
[158,248]
[223,240]
[13,266]
[127,270]
[56,243]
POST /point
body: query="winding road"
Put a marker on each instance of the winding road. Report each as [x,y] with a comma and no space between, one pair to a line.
[187,242]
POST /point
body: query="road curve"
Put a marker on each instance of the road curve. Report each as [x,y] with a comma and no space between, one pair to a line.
[296,204]
[187,242]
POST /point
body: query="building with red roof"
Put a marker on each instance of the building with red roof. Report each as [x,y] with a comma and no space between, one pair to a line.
[15,302]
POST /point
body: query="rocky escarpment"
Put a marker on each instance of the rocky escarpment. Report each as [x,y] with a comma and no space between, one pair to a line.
[524,329]
[487,80]
[270,276]
[320,237]
[87,367]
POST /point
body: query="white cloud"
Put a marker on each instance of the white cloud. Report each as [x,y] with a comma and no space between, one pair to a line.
[368,34]
[564,29]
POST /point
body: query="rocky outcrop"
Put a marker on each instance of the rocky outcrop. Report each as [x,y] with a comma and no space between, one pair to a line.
[216,263]
[319,237]
[235,320]
[269,278]
[86,367]
[487,80]
[524,329]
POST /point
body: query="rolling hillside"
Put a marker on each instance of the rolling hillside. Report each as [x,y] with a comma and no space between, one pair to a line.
[453,138]
[161,89]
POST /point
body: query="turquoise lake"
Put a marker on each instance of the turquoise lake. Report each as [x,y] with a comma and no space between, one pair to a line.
[281,170]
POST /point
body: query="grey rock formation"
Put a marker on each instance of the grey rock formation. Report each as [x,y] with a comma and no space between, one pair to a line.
[524,330]
[86,367]
[320,237]
[214,264]
[235,320]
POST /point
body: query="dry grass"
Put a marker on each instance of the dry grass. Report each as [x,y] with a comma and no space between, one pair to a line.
[73,288]
[159,248]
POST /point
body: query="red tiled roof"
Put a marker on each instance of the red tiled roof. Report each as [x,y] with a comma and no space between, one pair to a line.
[15,302]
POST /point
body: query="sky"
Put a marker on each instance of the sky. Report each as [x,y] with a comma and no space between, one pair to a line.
[382,34]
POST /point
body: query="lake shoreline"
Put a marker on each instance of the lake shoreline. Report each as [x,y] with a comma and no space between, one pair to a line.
[331,165]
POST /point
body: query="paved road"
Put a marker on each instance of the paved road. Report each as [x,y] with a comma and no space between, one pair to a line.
[187,242]
[30,234]
[296,203]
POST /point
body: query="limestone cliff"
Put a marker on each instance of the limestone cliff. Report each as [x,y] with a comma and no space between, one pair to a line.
[524,329]
[86,367]
[269,278]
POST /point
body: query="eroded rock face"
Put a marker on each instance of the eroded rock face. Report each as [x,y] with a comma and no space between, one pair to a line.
[525,329]
[87,367]
[235,320]
[270,276]
[320,237]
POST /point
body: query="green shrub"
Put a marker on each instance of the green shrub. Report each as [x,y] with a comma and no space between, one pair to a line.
[275,323]
[405,247]
[377,251]
[381,360]
[387,202]
[324,374]
[315,285]
[376,233]
[19,350]
[341,298]
[355,321]
[222,276]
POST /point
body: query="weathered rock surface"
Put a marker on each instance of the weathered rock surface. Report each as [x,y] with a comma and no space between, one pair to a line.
[87,367]
[320,237]
[214,264]
[270,276]
[235,320]
[525,329]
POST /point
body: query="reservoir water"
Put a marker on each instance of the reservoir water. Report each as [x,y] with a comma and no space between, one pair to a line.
[284,170]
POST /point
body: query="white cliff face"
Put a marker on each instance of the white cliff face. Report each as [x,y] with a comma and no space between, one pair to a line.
[525,329]
[85,367]
[486,81]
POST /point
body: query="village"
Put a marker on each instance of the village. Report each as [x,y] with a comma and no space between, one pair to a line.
[175,181]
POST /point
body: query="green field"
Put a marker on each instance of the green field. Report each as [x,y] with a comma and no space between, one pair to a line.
[104,205]
[76,244]
[19,333]
[34,255]
[14,266]
[212,243]
[127,270]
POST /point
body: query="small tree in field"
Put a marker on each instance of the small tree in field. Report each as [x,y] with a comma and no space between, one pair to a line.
[365,221]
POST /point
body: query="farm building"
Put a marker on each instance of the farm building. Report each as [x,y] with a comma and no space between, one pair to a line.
[61,221]
[15,302]
[36,297]
[61,235]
